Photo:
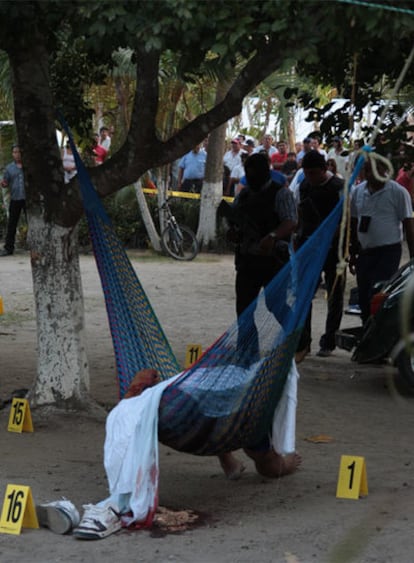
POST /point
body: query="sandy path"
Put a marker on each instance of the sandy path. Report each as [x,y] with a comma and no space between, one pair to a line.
[296,519]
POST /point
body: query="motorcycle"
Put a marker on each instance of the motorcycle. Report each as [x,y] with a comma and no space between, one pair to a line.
[381,338]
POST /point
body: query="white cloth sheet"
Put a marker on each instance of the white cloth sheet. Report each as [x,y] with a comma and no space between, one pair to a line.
[131,446]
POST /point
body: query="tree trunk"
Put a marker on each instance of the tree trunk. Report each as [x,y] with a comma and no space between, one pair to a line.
[63,374]
[291,134]
[146,218]
[212,191]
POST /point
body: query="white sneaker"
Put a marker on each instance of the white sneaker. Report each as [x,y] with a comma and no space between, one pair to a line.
[98,522]
[60,516]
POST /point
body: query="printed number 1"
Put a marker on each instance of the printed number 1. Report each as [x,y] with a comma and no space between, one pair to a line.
[193,355]
[15,506]
[18,413]
[351,478]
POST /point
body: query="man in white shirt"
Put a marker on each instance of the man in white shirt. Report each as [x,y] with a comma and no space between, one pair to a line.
[380,211]
[267,145]
[231,159]
[104,138]
[340,155]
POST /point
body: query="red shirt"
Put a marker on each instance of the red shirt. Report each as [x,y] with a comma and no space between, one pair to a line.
[406,181]
[277,159]
[100,154]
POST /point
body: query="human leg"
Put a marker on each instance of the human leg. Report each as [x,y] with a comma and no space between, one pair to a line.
[375,266]
[303,347]
[248,285]
[16,207]
[232,467]
[185,186]
[273,465]
[335,287]
[363,275]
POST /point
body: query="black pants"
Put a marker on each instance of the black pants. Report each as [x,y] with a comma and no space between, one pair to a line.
[194,185]
[335,306]
[252,274]
[375,265]
[16,207]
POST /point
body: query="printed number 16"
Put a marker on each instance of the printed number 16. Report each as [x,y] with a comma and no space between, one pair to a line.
[15,506]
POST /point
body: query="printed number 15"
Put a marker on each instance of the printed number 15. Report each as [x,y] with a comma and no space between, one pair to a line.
[18,413]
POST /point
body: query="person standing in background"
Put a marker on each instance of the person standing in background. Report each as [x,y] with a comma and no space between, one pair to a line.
[191,170]
[231,158]
[405,178]
[278,159]
[340,156]
[381,210]
[104,138]
[68,162]
[267,145]
[319,193]
[14,180]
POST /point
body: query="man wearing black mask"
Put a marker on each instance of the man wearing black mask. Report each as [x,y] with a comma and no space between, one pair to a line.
[266,218]
[263,218]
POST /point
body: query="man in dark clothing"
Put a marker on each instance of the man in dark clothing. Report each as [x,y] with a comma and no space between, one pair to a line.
[14,180]
[267,217]
[319,194]
[263,217]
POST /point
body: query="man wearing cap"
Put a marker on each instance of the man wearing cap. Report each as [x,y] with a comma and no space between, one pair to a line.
[319,194]
[249,146]
[340,155]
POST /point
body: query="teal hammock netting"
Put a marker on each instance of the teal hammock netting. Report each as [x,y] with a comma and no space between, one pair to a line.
[227,399]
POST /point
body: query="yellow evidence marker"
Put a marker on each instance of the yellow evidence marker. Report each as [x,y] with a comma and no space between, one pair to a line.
[192,354]
[18,510]
[352,478]
[20,419]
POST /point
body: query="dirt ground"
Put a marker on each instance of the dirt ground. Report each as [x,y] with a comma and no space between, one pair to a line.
[297,519]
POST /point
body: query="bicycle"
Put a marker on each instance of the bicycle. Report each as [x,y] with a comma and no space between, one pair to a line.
[177,240]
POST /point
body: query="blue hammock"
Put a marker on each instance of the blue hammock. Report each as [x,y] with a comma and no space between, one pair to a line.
[227,399]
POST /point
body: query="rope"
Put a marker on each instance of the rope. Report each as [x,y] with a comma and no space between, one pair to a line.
[366,153]
[379,6]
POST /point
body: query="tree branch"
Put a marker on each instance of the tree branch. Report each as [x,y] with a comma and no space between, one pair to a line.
[125,167]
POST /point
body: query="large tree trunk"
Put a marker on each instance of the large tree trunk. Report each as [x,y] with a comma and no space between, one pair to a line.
[212,191]
[63,376]
[146,217]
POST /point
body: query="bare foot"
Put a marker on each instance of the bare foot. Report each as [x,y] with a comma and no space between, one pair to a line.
[232,467]
[273,465]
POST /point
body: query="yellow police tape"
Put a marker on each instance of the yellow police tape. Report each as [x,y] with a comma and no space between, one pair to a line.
[185,195]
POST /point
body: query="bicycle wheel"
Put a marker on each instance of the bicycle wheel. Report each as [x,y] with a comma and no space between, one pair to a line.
[179,242]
